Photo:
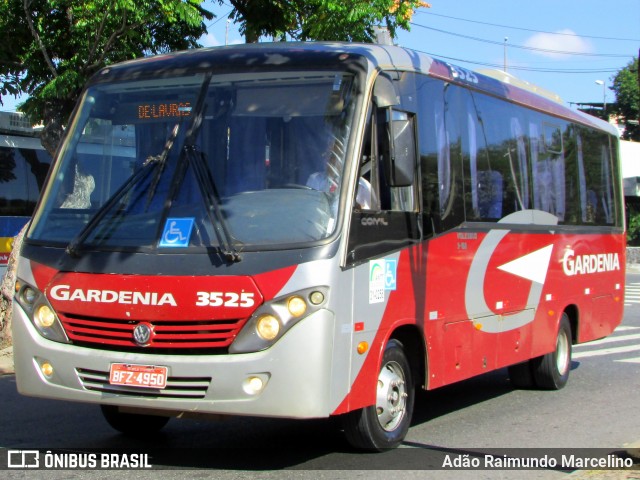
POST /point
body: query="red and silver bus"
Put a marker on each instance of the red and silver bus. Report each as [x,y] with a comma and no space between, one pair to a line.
[313,230]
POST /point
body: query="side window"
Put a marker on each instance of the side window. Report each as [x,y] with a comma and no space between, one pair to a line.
[396,130]
[492,163]
[22,174]
[385,209]
[13,177]
[548,169]
[441,133]
[496,158]
[597,200]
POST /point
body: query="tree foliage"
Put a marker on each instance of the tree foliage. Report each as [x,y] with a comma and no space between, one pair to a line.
[626,85]
[347,20]
[52,47]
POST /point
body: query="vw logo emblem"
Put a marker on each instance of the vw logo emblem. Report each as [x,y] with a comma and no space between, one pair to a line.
[142,334]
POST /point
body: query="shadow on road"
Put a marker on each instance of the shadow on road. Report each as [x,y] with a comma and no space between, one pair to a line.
[238,443]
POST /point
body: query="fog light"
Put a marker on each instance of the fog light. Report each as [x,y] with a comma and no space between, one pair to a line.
[47,369]
[253,385]
[44,316]
[316,297]
[268,327]
[297,306]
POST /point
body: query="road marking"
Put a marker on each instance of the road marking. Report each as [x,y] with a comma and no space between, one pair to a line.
[632,294]
[611,339]
[606,351]
[629,360]
[623,333]
[625,328]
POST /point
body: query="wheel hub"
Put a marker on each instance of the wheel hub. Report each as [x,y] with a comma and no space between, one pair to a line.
[391,401]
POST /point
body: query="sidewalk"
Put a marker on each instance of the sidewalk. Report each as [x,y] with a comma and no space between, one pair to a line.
[6,361]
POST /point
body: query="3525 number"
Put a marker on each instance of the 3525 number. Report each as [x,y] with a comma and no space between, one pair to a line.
[225,299]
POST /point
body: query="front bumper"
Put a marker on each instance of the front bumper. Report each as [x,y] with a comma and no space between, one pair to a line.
[296,369]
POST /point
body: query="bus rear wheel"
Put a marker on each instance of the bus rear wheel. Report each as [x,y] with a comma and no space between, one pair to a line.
[551,371]
[133,424]
[385,424]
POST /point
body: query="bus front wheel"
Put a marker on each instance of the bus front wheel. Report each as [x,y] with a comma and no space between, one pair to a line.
[133,424]
[385,424]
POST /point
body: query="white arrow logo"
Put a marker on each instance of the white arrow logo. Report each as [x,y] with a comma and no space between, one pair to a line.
[533,266]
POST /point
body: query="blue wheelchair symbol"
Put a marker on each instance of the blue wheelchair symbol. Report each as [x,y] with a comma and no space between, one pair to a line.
[390,275]
[177,232]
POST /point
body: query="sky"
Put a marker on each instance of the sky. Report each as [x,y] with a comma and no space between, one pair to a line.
[564,46]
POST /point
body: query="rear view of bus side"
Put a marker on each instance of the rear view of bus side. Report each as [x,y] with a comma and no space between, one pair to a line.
[313,230]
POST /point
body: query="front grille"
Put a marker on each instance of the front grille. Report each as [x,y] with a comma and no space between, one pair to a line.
[177,387]
[167,334]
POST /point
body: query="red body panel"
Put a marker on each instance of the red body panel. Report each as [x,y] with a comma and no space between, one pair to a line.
[181,311]
[434,279]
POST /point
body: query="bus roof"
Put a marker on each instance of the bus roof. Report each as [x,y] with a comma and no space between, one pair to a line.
[384,57]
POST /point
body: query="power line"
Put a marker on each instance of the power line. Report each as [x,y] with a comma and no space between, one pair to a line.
[219,19]
[528,69]
[609,55]
[530,29]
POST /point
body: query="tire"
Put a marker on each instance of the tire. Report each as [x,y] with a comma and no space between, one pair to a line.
[551,371]
[133,424]
[384,425]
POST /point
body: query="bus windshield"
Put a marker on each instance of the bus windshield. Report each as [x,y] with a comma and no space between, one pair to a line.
[243,160]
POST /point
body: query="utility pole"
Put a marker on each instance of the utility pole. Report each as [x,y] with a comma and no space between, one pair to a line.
[505,53]
[604,98]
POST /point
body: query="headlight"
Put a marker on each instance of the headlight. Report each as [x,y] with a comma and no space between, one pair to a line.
[296,306]
[268,327]
[273,319]
[44,316]
[39,311]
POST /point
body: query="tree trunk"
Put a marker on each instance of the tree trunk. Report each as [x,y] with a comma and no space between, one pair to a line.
[51,135]
[7,289]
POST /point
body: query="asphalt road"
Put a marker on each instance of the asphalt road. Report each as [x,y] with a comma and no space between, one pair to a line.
[597,409]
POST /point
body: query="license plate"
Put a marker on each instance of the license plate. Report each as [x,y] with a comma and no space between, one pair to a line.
[138,375]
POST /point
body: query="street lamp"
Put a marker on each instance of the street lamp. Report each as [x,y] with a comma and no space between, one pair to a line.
[604,97]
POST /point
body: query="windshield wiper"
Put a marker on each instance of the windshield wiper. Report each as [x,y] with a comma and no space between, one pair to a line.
[210,194]
[148,166]
[146,169]
[204,179]
[161,160]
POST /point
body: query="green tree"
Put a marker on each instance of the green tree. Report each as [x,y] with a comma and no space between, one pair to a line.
[347,20]
[52,47]
[626,85]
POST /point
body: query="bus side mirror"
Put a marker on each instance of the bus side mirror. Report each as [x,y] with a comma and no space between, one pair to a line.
[384,92]
[401,168]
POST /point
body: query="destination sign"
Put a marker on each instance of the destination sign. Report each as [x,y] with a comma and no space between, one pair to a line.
[149,111]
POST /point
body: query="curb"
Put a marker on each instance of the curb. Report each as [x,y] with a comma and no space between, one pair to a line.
[6,361]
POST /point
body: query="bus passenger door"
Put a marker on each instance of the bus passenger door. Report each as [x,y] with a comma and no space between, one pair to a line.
[385,221]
